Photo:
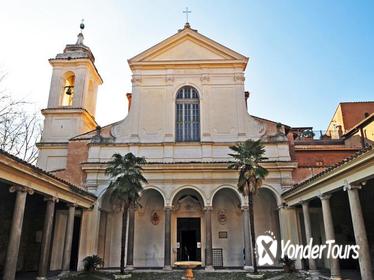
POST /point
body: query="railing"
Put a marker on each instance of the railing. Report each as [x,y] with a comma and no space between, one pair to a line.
[308,134]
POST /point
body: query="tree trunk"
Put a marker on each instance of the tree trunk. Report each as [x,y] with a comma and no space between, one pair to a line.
[123,238]
[252,229]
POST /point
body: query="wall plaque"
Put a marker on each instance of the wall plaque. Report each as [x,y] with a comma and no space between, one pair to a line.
[222,234]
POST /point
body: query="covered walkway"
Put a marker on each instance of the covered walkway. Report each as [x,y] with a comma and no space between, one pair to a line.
[30,198]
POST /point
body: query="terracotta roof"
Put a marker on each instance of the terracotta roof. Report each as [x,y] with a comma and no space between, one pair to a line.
[349,102]
[329,170]
[73,187]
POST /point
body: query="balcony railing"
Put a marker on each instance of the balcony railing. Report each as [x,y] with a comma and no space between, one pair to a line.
[309,134]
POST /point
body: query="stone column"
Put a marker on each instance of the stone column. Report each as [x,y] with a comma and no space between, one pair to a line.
[68,239]
[308,235]
[167,244]
[359,231]
[46,239]
[209,242]
[89,233]
[130,239]
[288,218]
[330,233]
[247,239]
[15,232]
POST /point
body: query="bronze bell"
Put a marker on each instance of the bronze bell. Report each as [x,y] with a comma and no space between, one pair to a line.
[69,90]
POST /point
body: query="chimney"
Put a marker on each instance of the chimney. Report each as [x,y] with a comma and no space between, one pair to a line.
[129,96]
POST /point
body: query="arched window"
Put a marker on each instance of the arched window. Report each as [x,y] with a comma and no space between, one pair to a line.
[68,89]
[187,121]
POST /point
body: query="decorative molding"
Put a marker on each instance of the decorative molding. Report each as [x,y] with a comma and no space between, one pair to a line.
[205,78]
[136,79]
[169,79]
[239,77]
[16,188]
[188,203]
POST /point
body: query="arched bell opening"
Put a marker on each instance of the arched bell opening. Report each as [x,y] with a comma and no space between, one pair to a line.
[68,89]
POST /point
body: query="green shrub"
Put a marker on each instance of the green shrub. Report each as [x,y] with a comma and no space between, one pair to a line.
[91,263]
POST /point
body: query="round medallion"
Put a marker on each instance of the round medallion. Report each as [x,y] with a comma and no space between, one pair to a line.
[222,218]
[155,218]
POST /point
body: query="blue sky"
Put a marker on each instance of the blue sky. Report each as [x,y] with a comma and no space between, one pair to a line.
[305,56]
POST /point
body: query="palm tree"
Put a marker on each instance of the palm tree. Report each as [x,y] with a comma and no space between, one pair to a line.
[125,188]
[247,158]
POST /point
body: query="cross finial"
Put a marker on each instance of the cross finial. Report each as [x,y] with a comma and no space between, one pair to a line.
[80,35]
[187,12]
[82,25]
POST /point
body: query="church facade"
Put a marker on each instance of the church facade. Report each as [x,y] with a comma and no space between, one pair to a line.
[188,105]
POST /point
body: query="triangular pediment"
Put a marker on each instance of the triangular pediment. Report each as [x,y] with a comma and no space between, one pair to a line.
[188,47]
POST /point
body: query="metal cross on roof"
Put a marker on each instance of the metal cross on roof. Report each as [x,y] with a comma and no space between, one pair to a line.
[82,25]
[187,12]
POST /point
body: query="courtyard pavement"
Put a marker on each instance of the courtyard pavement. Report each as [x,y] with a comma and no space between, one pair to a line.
[177,274]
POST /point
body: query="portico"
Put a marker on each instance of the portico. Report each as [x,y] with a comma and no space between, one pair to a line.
[177,220]
[342,195]
[27,194]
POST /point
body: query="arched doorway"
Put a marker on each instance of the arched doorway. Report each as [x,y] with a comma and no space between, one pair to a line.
[227,228]
[149,230]
[188,226]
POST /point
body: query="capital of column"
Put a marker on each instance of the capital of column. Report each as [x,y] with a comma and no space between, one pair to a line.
[283,206]
[304,202]
[169,208]
[208,208]
[17,188]
[324,196]
[350,187]
[244,208]
[51,198]
[70,204]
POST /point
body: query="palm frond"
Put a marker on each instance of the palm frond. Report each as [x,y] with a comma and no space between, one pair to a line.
[125,187]
[247,158]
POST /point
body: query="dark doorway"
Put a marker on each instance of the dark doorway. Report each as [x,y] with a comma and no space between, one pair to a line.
[75,244]
[189,239]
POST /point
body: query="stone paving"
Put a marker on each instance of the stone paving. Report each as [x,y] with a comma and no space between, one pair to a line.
[177,274]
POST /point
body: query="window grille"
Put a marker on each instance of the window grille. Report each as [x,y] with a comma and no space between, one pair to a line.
[187,115]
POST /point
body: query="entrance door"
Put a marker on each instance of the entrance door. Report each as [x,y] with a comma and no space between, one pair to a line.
[189,239]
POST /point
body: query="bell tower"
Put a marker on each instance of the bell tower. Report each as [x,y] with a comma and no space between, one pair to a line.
[71,103]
